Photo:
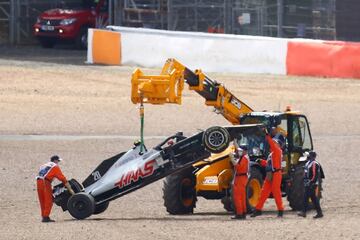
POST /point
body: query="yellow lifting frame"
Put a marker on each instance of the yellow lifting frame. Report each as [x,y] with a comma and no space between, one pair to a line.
[168,86]
[159,89]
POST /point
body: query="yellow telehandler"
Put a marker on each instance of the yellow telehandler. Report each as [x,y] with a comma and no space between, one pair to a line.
[211,178]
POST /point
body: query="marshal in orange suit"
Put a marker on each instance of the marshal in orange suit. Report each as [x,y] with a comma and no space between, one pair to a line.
[272,183]
[240,160]
[46,175]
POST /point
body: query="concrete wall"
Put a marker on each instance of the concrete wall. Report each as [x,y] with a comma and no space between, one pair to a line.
[223,53]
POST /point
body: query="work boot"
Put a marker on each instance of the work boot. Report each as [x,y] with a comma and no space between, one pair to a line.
[239,217]
[47,219]
[256,213]
[280,213]
[302,214]
[318,215]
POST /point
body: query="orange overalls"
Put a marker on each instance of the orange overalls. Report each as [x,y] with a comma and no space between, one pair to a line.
[272,186]
[239,187]
[47,173]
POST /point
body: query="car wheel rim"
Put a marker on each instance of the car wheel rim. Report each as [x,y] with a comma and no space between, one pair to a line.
[80,206]
[216,138]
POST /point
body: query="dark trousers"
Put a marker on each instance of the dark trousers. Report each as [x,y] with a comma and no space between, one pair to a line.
[310,193]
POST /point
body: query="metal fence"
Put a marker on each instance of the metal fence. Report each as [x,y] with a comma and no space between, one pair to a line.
[318,19]
[283,18]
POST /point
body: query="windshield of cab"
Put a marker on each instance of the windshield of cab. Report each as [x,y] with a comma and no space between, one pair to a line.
[257,146]
[255,120]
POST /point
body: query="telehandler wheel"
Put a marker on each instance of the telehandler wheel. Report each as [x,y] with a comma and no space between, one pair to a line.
[254,188]
[81,205]
[179,192]
[227,201]
[216,139]
[101,208]
[297,190]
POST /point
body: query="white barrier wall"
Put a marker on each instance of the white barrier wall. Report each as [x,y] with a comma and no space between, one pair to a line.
[210,52]
[224,53]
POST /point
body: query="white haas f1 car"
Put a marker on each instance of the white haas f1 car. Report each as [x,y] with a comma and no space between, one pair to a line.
[131,170]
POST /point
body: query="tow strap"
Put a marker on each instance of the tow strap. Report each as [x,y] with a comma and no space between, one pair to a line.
[142,116]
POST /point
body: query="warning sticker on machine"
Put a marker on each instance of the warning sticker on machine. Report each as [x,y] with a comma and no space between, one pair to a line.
[235,102]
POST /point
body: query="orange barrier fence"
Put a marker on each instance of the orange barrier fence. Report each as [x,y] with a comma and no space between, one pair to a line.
[327,59]
[106,47]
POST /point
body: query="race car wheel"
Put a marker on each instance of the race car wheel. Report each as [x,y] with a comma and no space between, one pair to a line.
[76,186]
[216,139]
[100,208]
[81,205]
[179,192]
[62,195]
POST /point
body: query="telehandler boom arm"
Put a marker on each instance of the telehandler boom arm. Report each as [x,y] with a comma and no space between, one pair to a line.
[167,88]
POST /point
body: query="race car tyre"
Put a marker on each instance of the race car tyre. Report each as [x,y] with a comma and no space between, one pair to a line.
[81,205]
[254,186]
[179,192]
[81,40]
[75,185]
[297,190]
[216,139]
[62,195]
[100,208]
[47,42]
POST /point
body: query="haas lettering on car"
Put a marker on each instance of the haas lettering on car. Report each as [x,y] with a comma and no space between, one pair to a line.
[134,175]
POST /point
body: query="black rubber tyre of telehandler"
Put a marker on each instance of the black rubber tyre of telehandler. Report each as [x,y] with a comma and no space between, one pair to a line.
[227,202]
[296,193]
[216,139]
[253,188]
[81,205]
[100,208]
[179,192]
